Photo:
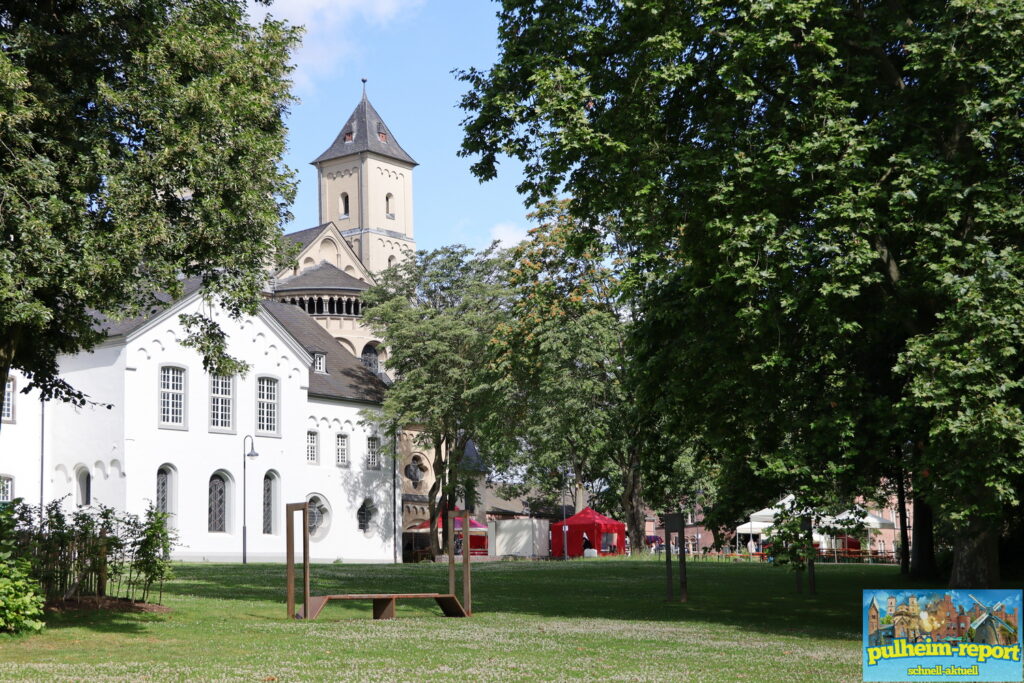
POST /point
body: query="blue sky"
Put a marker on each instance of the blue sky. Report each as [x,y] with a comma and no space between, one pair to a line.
[407,50]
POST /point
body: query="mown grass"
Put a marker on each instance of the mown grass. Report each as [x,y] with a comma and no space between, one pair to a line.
[592,620]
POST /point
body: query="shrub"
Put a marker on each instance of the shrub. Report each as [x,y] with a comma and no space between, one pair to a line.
[92,551]
[20,600]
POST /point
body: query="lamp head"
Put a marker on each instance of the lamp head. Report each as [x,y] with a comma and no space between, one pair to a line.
[252,453]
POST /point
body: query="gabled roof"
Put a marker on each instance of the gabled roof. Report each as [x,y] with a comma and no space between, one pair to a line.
[324,276]
[304,237]
[346,376]
[363,130]
[116,328]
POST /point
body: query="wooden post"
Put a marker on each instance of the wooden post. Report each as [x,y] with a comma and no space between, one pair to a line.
[305,560]
[289,558]
[289,575]
[289,538]
[449,520]
[467,586]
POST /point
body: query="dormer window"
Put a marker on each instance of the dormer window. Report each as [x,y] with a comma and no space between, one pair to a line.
[381,133]
[343,205]
[348,136]
[320,362]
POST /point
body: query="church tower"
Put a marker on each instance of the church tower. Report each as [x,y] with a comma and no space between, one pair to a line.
[365,187]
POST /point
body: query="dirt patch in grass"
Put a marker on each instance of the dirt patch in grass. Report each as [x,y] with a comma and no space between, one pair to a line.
[92,602]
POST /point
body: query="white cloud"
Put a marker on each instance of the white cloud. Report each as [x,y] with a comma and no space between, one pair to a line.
[509,234]
[329,25]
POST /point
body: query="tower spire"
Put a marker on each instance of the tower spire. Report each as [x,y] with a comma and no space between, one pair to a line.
[365,131]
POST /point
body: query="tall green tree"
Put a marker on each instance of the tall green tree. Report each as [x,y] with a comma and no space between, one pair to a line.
[821,201]
[436,313]
[140,142]
[560,364]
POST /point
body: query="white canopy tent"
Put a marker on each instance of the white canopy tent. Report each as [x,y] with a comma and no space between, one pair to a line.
[759,524]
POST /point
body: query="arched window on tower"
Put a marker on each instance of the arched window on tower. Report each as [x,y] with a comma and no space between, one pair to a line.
[343,205]
[371,359]
[389,206]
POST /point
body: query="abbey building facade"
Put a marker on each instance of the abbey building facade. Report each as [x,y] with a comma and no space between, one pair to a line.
[223,455]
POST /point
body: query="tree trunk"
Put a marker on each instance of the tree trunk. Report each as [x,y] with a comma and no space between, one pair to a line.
[432,496]
[922,556]
[809,534]
[901,507]
[975,556]
[633,505]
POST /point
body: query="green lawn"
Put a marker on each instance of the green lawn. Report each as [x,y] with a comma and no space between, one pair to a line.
[594,619]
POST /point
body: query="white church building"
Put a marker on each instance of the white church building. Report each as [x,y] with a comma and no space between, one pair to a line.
[223,455]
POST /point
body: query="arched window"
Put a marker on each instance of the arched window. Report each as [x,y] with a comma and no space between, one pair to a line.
[343,205]
[392,261]
[163,490]
[218,504]
[365,514]
[269,495]
[370,358]
[389,206]
[83,487]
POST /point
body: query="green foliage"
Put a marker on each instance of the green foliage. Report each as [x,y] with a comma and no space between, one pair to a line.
[436,312]
[21,604]
[821,204]
[94,551]
[565,415]
[141,144]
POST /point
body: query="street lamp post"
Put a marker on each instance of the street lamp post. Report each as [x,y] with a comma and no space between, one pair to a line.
[245,456]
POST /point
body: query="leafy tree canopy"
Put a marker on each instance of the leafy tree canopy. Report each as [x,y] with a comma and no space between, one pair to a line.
[821,204]
[141,143]
[435,313]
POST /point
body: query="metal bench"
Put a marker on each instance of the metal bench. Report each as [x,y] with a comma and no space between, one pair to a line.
[384,603]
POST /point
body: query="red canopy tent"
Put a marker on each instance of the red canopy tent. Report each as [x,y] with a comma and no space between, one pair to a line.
[606,535]
[477,532]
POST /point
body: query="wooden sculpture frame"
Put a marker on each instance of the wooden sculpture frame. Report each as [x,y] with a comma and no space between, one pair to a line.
[383,603]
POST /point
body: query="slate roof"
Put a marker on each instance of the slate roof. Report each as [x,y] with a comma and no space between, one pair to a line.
[116,328]
[364,125]
[324,276]
[346,376]
[304,237]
